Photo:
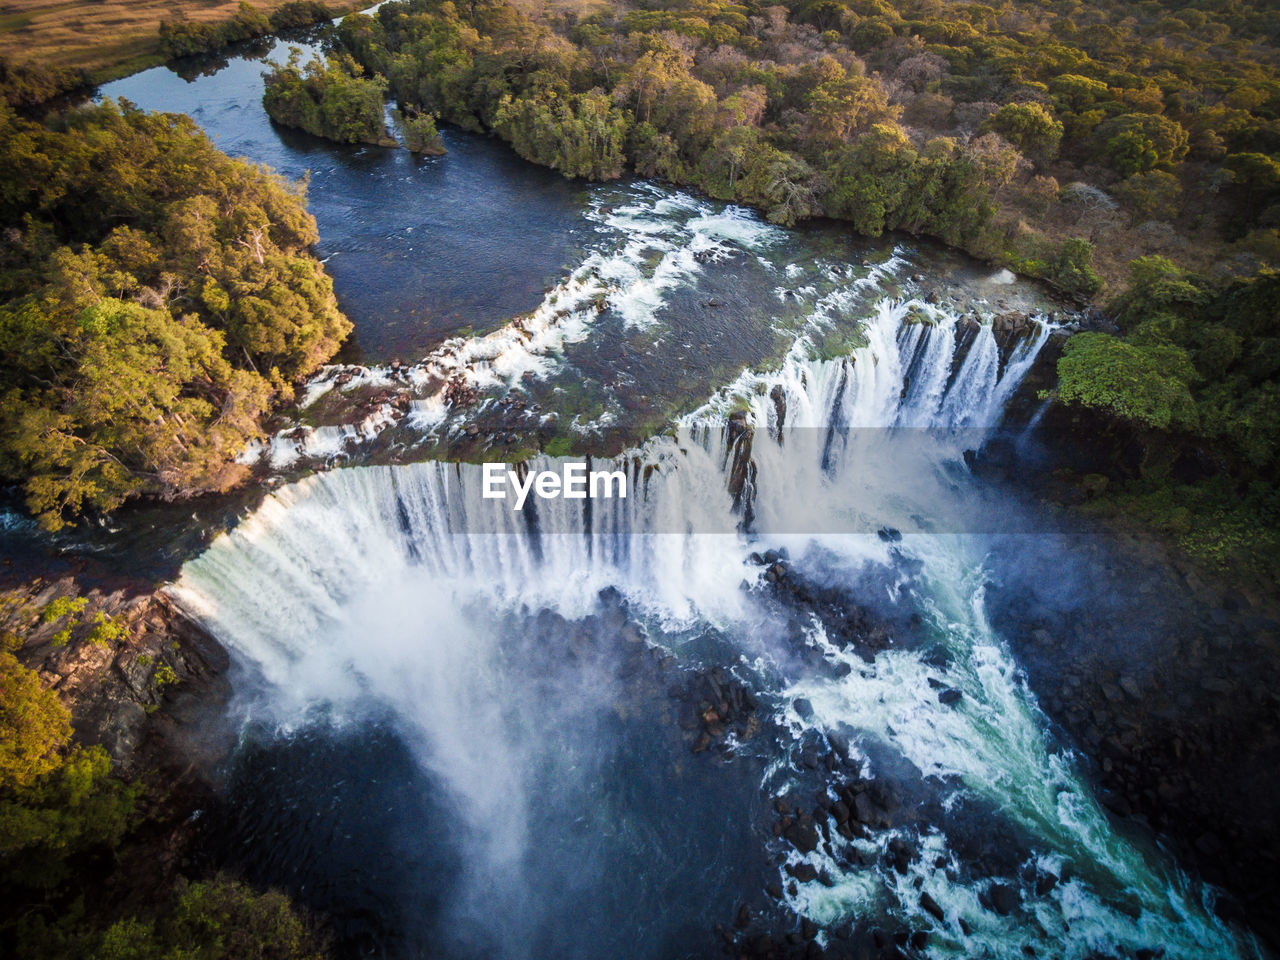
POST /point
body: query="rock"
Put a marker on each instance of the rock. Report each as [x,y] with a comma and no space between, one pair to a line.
[803,872]
[1004,898]
[889,534]
[932,907]
[1130,686]
[743,919]
[774,889]
[864,808]
[949,697]
[802,836]
[804,708]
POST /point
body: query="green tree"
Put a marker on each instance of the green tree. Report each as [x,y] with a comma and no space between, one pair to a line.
[159,298]
[1143,386]
[56,799]
[1136,142]
[1029,127]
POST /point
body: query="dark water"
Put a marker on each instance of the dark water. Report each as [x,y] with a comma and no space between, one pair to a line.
[418,248]
[590,831]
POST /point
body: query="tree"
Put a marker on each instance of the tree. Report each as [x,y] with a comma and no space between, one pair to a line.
[1154,194]
[1143,386]
[838,108]
[1136,142]
[158,300]
[581,136]
[1029,127]
[56,799]
[870,179]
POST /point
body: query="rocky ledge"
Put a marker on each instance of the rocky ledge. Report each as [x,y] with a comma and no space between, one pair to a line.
[137,674]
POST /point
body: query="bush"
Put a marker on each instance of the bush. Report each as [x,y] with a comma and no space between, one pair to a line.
[421,135]
[1072,270]
[299,13]
[186,38]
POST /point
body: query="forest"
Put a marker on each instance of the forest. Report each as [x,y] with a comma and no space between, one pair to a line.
[156,299]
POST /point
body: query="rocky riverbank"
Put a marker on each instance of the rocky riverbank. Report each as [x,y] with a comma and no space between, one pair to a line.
[141,680]
[1171,691]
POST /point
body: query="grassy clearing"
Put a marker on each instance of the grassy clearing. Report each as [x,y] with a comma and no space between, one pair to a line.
[109,38]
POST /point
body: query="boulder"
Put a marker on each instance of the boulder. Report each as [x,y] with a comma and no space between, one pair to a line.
[1004,898]
[932,907]
[802,836]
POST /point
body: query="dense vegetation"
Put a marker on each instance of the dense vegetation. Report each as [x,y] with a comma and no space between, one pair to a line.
[64,816]
[27,86]
[156,297]
[185,38]
[1193,388]
[1028,133]
[327,98]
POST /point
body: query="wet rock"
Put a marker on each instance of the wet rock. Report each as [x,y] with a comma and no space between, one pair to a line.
[803,708]
[1044,883]
[932,907]
[889,534]
[839,741]
[802,835]
[1003,898]
[803,872]
[949,697]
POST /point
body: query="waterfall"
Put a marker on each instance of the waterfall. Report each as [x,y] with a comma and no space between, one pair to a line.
[393,584]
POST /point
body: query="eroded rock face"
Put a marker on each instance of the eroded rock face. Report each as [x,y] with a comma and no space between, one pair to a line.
[137,674]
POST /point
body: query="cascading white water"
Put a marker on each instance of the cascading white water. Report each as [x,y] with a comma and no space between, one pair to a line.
[383,583]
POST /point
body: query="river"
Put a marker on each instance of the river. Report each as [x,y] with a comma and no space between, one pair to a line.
[766,691]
